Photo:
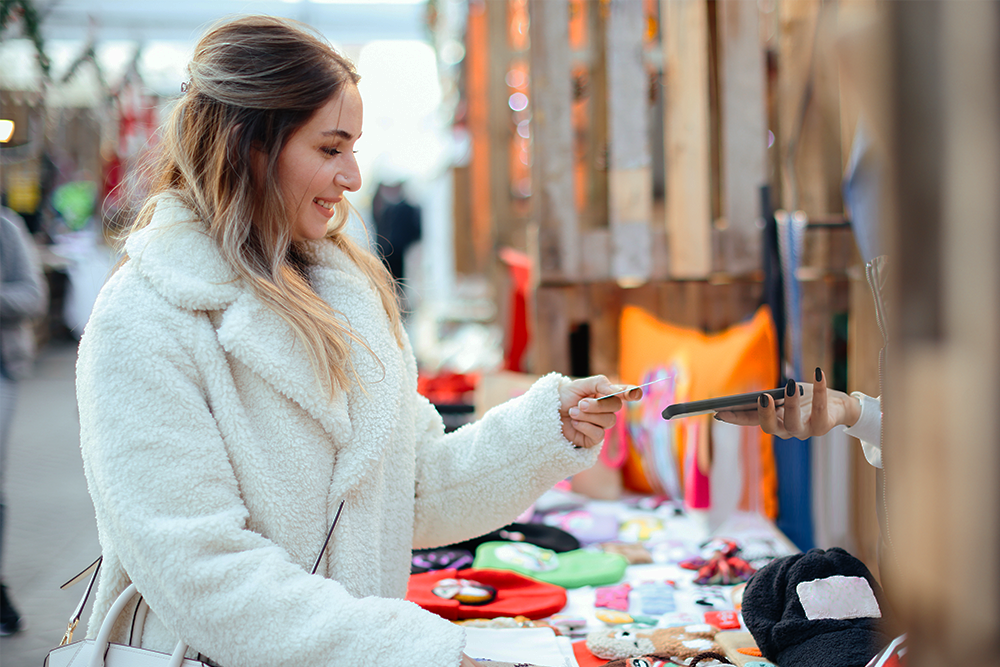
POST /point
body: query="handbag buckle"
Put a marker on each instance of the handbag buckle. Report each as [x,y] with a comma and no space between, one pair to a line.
[68,637]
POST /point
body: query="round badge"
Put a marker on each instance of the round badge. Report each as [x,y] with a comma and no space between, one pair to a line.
[465,591]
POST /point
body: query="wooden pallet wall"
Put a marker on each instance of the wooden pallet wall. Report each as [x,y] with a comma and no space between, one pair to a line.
[654,125]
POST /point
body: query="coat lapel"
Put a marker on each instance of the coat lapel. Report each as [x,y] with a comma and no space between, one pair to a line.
[359,421]
[258,337]
[185,266]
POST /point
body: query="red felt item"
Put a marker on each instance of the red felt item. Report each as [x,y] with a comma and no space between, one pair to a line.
[584,658]
[724,620]
[517,595]
[447,387]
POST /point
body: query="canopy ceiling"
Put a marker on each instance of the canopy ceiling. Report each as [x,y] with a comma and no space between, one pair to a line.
[343,23]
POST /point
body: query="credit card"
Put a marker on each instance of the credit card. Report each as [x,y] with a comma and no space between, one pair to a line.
[631,387]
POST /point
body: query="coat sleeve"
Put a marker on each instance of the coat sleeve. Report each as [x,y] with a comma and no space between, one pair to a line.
[483,475]
[169,510]
[868,429]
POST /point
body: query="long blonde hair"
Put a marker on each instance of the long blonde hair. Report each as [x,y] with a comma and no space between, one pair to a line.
[253,82]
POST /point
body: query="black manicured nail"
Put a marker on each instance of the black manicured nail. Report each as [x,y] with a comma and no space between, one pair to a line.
[819,374]
[763,400]
[790,388]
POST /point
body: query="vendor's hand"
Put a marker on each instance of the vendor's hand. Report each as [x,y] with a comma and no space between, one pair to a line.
[584,418]
[468,662]
[814,412]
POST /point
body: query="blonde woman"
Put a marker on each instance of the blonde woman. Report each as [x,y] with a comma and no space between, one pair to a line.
[244,375]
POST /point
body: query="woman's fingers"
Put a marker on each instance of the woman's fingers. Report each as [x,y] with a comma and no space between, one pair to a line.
[739,417]
[633,394]
[792,417]
[820,414]
[768,415]
[586,434]
[600,419]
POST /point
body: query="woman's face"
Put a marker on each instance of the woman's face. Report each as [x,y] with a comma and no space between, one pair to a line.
[317,164]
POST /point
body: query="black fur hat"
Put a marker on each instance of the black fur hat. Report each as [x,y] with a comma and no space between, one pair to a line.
[817,609]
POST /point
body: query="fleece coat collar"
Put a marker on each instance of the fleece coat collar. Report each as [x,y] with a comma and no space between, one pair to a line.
[184,264]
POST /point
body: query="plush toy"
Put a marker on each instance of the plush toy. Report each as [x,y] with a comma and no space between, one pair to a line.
[681,643]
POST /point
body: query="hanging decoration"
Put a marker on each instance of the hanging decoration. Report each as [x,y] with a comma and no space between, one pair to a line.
[24,11]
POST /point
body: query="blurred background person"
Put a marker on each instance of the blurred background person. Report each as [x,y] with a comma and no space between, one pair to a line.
[22,298]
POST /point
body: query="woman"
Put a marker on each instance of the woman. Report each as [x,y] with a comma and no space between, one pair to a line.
[244,375]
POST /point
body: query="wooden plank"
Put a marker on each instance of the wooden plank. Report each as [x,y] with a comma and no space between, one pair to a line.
[554,209]
[942,463]
[595,255]
[589,113]
[863,343]
[630,187]
[661,253]
[604,300]
[645,296]
[817,327]
[550,337]
[742,87]
[476,72]
[506,227]
[809,133]
[856,50]
[687,141]
[682,303]
[462,230]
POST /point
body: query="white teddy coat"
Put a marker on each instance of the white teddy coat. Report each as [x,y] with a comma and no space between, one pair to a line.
[216,463]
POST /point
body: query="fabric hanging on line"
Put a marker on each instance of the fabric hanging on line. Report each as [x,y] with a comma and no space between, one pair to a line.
[740,359]
[793,456]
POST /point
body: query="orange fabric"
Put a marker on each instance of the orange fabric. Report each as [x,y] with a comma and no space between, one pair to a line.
[584,658]
[741,359]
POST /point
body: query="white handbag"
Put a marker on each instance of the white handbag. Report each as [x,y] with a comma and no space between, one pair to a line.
[101,652]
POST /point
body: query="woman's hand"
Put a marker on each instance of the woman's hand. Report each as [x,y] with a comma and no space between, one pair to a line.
[584,418]
[814,412]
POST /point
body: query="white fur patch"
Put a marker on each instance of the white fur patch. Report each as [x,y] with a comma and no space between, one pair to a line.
[838,597]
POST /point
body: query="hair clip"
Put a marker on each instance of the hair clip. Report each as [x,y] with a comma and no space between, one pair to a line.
[184,86]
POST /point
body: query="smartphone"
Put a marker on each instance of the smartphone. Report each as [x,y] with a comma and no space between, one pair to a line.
[735,402]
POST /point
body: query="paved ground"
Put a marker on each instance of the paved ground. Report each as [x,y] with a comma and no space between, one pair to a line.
[50,533]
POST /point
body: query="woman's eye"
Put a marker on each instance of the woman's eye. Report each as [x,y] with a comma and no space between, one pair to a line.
[331,151]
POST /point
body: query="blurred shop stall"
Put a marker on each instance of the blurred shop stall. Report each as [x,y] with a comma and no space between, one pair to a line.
[683,159]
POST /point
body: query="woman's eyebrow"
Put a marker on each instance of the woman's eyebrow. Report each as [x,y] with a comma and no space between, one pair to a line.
[343,134]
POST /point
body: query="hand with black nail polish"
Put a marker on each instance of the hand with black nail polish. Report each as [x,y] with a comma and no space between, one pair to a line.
[808,409]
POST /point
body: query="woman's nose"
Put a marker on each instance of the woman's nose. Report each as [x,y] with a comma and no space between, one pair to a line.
[349,178]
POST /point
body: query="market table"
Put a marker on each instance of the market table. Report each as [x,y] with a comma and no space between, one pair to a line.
[670,535]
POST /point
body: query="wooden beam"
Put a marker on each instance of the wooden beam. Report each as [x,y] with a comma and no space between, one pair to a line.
[550,337]
[742,87]
[605,303]
[863,343]
[630,179]
[480,196]
[686,142]
[554,215]
[506,228]
[809,133]
[941,460]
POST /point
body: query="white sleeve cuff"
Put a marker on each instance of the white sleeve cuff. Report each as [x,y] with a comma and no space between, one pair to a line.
[868,428]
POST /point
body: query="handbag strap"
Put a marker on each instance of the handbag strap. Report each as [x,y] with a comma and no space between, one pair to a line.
[104,635]
[74,619]
[333,525]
